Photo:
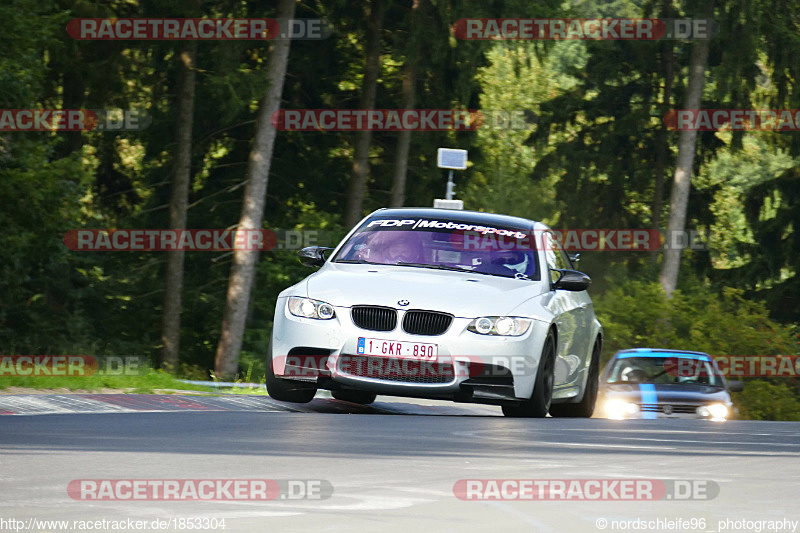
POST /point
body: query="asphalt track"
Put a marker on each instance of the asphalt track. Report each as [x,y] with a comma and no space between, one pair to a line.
[392,466]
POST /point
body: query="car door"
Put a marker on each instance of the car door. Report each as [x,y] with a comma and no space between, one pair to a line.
[572,319]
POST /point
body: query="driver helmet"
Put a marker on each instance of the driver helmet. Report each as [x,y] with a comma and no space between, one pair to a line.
[512,259]
[633,374]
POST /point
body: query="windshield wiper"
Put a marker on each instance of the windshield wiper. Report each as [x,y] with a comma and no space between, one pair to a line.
[433,266]
[438,267]
[358,262]
[464,269]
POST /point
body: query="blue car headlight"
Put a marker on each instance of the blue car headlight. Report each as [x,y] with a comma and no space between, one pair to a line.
[617,409]
[718,412]
[507,326]
[308,308]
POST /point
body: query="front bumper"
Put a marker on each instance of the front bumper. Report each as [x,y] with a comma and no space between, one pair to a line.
[473,367]
[616,409]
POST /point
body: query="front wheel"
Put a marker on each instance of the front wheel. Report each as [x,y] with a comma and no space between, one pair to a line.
[287,390]
[584,408]
[538,404]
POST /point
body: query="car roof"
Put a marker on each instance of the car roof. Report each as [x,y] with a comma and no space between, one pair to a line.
[470,217]
[658,352]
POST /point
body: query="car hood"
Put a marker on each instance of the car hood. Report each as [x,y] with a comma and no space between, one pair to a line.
[666,393]
[464,294]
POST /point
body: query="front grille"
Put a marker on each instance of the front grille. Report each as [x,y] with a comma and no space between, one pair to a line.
[676,409]
[396,370]
[426,322]
[374,318]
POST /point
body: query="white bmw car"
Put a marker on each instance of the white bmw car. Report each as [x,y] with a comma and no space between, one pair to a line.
[440,304]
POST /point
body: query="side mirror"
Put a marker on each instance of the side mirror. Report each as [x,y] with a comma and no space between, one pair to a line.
[313,256]
[736,386]
[572,280]
[574,258]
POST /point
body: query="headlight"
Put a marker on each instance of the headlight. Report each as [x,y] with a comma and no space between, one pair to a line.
[620,409]
[308,308]
[507,326]
[718,411]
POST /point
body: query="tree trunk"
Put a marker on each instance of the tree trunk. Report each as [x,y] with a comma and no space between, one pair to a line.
[372,66]
[682,184]
[178,207]
[243,270]
[73,98]
[663,146]
[398,194]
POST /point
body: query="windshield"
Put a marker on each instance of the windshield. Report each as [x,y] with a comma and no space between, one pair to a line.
[668,369]
[454,246]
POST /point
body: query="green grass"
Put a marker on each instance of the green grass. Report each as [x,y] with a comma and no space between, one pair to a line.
[146,380]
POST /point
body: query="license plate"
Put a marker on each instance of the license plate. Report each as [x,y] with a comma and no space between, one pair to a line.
[399,349]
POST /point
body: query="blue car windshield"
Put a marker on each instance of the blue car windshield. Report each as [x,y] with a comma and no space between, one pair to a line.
[670,369]
[502,252]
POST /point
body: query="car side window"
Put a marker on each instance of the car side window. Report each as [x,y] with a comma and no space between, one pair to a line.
[565,258]
[562,262]
[554,255]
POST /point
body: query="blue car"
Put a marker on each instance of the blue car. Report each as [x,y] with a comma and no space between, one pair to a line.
[650,383]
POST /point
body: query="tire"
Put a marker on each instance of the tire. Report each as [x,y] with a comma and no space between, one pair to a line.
[584,408]
[538,404]
[355,396]
[287,390]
